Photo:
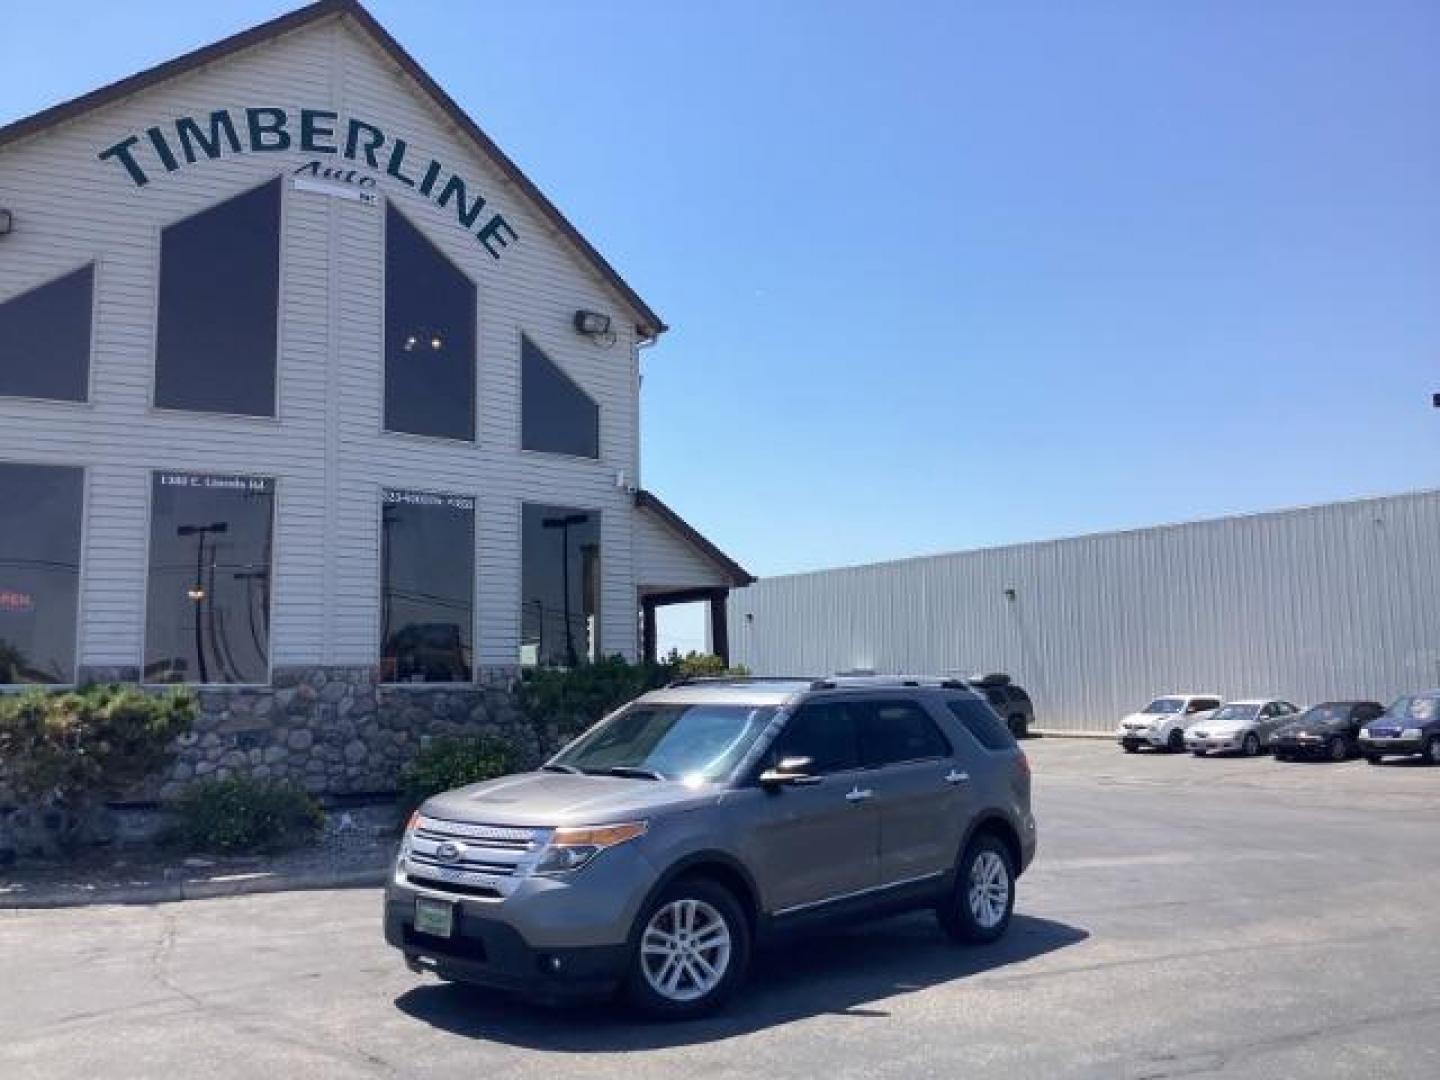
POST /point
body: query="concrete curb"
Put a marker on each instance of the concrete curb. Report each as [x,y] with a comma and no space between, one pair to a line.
[1051,733]
[195,889]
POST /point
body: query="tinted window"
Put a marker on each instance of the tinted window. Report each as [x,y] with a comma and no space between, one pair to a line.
[560,585]
[997,698]
[427,586]
[828,734]
[40,509]
[1017,694]
[894,731]
[45,339]
[989,730]
[429,337]
[557,416]
[207,617]
[219,297]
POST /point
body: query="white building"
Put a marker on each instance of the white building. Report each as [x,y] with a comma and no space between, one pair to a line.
[299,373]
[1327,602]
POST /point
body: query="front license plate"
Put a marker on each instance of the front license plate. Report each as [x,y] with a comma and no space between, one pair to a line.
[434,917]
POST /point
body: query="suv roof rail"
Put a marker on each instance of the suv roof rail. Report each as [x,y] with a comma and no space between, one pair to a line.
[943,682]
[722,680]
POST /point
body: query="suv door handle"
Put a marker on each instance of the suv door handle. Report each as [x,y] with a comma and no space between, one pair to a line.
[954,776]
[858,794]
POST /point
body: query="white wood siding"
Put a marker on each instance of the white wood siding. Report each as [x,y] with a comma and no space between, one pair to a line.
[666,560]
[326,448]
[1330,602]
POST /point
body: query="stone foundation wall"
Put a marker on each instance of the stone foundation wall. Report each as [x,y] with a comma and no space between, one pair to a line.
[337,730]
[331,730]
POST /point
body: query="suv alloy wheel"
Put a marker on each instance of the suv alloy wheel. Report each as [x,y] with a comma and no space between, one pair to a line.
[979,907]
[691,950]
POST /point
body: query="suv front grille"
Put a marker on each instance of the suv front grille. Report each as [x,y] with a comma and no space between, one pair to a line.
[471,859]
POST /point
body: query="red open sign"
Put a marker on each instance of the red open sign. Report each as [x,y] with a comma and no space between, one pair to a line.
[16,601]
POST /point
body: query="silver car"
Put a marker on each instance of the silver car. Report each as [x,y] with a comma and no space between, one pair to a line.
[1240,727]
[656,851]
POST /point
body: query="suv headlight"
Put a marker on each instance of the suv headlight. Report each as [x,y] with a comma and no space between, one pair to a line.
[403,853]
[1411,733]
[571,848]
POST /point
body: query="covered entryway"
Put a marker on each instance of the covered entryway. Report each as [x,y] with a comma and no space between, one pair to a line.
[675,564]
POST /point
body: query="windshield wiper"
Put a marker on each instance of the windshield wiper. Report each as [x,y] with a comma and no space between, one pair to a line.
[634,773]
[571,769]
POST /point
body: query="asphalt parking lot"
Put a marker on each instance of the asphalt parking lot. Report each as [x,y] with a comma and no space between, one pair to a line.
[1185,918]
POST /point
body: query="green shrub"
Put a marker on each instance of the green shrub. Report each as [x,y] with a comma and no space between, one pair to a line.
[453,762]
[79,746]
[569,700]
[239,815]
[694,665]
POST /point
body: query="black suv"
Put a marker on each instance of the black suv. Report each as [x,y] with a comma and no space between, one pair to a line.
[1010,702]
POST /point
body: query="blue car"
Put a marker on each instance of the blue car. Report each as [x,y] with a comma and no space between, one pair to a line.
[1410,726]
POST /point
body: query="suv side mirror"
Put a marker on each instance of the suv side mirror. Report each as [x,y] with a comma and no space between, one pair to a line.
[791,772]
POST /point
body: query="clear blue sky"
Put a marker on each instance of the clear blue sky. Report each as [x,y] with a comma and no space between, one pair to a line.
[954,274]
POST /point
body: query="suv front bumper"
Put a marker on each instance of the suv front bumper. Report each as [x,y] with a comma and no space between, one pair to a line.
[1397,746]
[551,937]
[488,952]
[1140,737]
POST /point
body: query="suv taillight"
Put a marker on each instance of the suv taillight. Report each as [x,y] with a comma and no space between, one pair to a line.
[1022,764]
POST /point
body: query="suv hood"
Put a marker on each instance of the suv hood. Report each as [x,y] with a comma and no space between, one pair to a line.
[544,799]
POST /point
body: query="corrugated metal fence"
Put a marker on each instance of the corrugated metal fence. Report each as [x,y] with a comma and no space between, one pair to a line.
[1333,601]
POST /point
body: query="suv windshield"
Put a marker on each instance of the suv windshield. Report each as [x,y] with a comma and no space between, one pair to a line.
[667,742]
[1164,705]
[1413,708]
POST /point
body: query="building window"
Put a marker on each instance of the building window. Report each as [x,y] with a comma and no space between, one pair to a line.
[429,337]
[45,339]
[560,585]
[39,571]
[427,587]
[207,616]
[219,301]
[556,415]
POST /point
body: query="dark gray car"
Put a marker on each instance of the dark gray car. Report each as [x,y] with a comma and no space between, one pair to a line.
[654,853]
[1010,701]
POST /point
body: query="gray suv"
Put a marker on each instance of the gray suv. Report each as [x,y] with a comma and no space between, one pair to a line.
[657,850]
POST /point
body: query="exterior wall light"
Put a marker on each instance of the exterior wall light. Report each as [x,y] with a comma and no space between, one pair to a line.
[592,323]
[7,222]
[1010,595]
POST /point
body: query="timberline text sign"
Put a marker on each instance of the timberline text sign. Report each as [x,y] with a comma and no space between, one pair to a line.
[271,129]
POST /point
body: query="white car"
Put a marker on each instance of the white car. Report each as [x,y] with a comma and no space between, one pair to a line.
[1161,724]
[1244,727]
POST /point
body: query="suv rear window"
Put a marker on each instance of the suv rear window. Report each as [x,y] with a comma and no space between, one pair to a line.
[989,730]
[896,731]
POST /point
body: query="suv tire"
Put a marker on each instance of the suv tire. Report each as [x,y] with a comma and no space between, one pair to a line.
[977,909]
[690,952]
[1432,750]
